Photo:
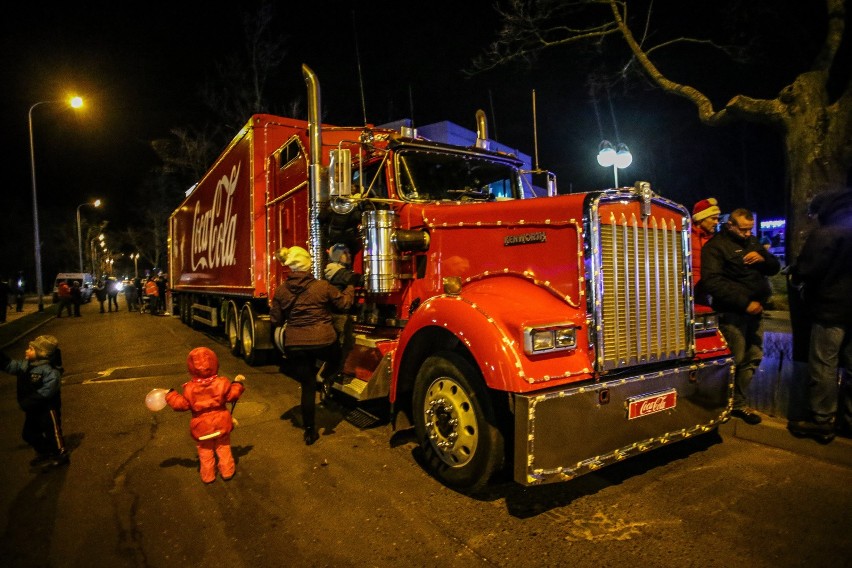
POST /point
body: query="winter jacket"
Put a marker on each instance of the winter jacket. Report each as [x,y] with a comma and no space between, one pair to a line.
[151,289]
[699,239]
[206,395]
[730,282]
[824,266]
[38,383]
[340,276]
[63,290]
[305,304]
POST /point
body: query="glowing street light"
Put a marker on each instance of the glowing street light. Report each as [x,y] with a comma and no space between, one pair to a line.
[75,102]
[95,203]
[135,258]
[617,158]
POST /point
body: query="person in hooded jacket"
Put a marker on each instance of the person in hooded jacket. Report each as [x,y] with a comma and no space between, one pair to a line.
[207,394]
[39,396]
[305,305]
[823,269]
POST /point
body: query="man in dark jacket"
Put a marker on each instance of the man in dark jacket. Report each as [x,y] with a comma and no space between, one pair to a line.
[824,270]
[734,270]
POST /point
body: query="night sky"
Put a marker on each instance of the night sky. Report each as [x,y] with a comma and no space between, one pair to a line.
[140,67]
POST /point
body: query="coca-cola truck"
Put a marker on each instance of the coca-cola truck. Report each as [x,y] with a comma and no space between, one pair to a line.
[550,335]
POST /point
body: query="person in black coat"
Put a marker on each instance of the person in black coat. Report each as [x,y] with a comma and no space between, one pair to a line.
[734,271]
[5,290]
[823,271]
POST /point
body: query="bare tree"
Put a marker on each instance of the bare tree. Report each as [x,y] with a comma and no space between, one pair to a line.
[812,112]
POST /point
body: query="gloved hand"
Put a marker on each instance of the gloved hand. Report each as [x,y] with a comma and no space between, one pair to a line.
[331,269]
[239,379]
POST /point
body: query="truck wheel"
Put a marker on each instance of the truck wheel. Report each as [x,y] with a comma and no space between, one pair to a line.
[232,329]
[251,355]
[455,424]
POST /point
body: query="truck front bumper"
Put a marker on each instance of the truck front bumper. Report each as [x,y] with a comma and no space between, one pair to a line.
[563,433]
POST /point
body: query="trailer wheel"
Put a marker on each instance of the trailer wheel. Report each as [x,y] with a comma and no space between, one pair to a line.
[232,328]
[185,309]
[455,423]
[251,355]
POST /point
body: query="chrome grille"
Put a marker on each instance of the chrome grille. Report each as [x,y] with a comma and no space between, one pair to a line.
[641,305]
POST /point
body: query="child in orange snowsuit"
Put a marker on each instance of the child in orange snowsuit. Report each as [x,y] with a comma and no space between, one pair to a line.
[207,395]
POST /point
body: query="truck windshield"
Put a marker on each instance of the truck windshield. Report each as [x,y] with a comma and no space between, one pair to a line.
[435,176]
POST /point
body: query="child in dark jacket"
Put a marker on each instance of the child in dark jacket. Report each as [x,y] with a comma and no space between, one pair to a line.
[39,380]
[207,395]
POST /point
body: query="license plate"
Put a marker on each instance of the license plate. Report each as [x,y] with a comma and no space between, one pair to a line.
[651,403]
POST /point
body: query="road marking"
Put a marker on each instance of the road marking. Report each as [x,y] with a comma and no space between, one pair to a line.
[102,375]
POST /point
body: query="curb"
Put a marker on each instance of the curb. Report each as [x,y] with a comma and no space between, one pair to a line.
[773,432]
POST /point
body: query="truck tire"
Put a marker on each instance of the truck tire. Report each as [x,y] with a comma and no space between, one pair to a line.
[232,328]
[251,354]
[455,423]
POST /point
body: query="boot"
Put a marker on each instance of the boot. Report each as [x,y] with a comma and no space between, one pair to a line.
[311,436]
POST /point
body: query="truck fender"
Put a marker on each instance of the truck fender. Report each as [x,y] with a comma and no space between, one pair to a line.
[488,318]
[443,318]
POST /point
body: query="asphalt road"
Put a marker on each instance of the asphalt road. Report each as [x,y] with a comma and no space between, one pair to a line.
[132,496]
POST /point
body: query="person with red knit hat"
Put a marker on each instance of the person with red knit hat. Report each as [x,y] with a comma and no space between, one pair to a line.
[705,220]
[207,395]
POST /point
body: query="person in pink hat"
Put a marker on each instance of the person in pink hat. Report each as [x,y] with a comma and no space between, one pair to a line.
[705,220]
[207,395]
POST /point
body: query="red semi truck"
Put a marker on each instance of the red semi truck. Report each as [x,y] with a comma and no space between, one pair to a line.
[550,335]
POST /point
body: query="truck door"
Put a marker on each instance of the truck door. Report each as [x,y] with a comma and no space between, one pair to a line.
[287,205]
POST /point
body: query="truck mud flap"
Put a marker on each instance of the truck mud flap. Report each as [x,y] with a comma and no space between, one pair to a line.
[560,434]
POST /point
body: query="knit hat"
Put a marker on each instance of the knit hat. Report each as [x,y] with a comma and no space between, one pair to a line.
[705,208]
[337,251]
[44,346]
[296,259]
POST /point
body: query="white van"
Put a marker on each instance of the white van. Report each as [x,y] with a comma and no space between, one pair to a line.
[85,279]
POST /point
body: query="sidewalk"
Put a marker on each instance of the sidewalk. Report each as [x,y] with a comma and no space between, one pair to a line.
[773,432]
[19,324]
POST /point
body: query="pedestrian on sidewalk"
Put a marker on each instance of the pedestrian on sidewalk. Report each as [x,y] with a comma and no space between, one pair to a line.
[207,395]
[101,294]
[823,271]
[5,290]
[705,221]
[76,297]
[734,271]
[39,381]
[65,300]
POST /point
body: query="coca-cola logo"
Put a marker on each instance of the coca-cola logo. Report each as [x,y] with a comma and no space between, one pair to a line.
[214,230]
[651,404]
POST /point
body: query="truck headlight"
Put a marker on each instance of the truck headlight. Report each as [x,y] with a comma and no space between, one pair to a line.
[706,323]
[543,339]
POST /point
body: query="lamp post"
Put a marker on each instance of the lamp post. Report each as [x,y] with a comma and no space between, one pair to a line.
[95,203]
[618,157]
[75,102]
[135,258]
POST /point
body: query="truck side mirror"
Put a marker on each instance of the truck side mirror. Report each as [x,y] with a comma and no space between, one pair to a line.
[340,173]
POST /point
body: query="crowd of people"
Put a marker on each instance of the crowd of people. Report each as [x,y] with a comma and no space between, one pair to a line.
[731,266]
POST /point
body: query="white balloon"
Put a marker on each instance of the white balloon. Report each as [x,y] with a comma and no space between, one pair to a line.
[156,399]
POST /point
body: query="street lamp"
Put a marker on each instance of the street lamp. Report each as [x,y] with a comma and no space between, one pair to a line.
[617,158]
[75,102]
[95,203]
[135,258]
